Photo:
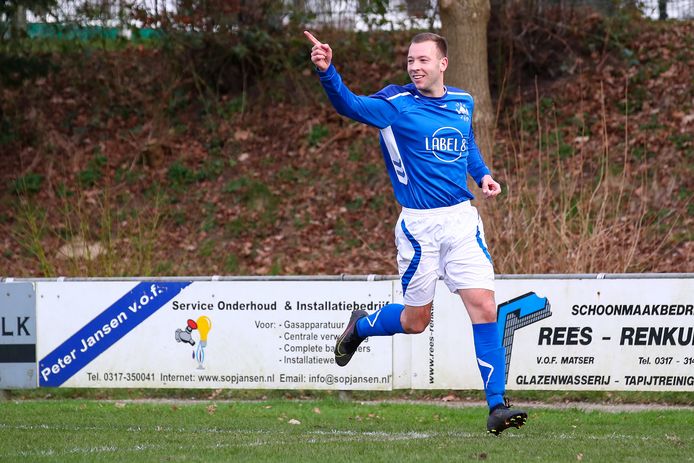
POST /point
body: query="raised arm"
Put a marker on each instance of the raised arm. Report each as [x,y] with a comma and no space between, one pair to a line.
[375,111]
[321,53]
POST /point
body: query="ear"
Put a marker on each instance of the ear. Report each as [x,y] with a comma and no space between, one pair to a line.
[444,64]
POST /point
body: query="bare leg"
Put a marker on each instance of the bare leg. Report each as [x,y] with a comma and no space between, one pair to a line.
[415,319]
[480,304]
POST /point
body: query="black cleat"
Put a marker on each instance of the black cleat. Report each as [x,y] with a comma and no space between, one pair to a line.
[348,341]
[503,417]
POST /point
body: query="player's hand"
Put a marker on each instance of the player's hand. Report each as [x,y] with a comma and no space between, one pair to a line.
[321,53]
[490,187]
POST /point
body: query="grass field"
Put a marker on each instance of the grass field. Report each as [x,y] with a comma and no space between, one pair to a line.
[328,430]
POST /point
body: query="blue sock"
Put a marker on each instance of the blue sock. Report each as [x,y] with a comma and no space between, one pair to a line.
[383,322]
[491,360]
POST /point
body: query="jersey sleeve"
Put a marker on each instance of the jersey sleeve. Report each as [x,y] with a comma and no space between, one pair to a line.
[371,110]
[475,164]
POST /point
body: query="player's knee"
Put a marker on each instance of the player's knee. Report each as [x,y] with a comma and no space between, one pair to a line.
[486,315]
[480,305]
[417,324]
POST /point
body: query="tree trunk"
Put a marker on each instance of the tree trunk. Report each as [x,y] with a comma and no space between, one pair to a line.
[464,24]
[19,25]
[662,10]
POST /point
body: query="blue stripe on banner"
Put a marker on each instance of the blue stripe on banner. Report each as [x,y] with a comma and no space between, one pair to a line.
[484,248]
[106,329]
[414,263]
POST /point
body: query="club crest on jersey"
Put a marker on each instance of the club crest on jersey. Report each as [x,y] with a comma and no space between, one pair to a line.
[462,110]
[447,144]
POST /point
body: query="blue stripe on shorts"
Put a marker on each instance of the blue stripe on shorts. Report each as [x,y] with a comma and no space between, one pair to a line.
[414,263]
[484,248]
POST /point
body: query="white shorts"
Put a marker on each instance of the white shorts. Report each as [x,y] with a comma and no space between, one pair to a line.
[444,242]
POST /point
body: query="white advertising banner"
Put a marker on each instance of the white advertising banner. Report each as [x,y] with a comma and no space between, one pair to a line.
[17,335]
[559,334]
[573,334]
[250,334]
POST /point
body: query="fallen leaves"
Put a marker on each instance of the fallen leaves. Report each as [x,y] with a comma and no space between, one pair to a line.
[328,208]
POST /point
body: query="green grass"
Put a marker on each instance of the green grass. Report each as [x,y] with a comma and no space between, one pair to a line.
[685,399]
[328,430]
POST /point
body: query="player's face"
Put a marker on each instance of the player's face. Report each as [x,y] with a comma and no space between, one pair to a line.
[425,65]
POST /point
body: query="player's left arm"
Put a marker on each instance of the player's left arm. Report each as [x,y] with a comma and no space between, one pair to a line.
[479,171]
[490,187]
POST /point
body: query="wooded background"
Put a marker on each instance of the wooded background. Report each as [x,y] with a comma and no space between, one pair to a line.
[191,137]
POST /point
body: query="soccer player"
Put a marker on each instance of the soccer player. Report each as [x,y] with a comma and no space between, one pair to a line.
[429,149]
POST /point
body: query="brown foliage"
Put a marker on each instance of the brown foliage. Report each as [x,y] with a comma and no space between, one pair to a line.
[597,164]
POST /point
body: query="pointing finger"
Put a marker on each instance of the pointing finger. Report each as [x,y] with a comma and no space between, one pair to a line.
[313,40]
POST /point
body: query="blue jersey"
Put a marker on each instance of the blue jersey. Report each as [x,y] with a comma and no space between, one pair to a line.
[428,144]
